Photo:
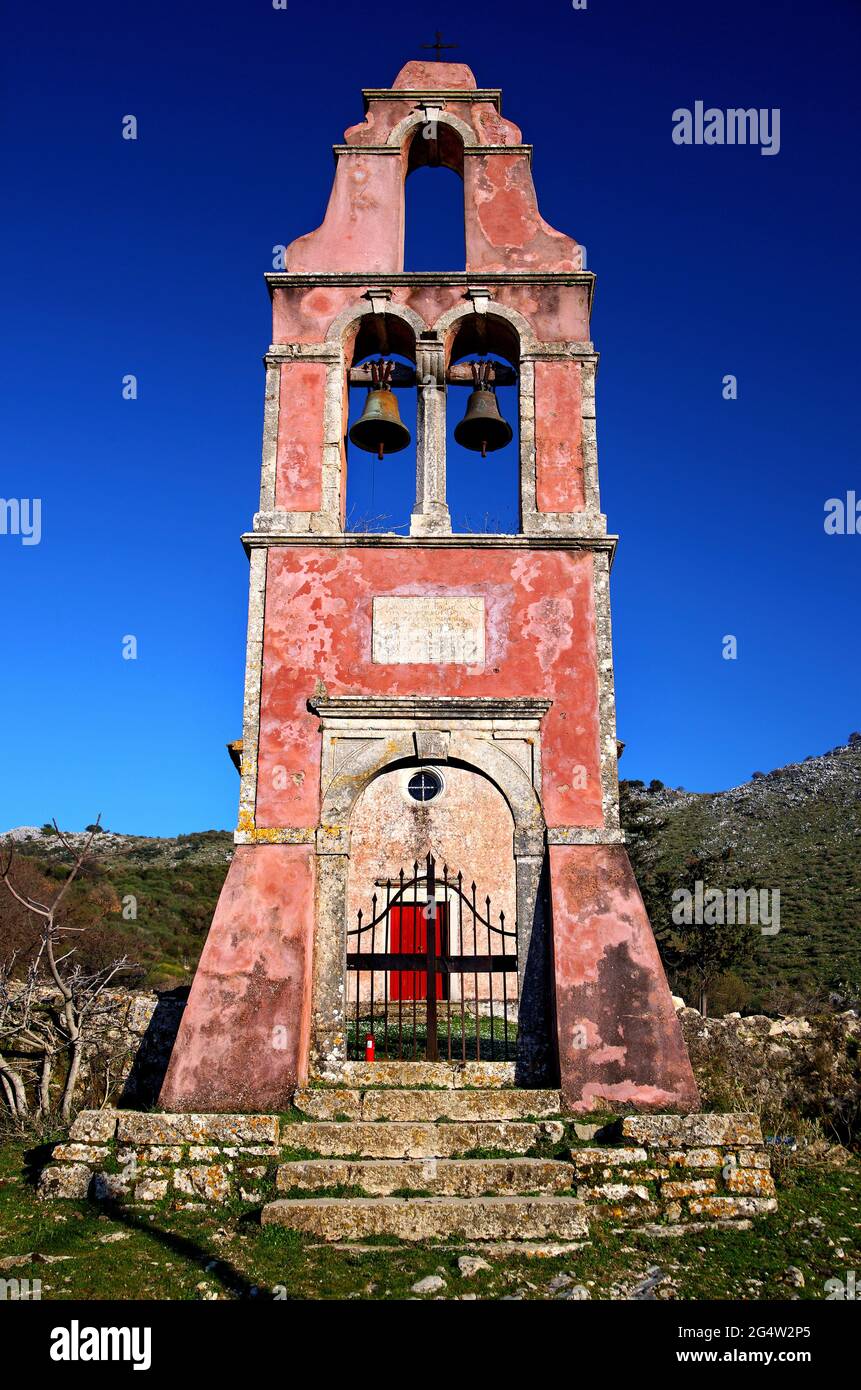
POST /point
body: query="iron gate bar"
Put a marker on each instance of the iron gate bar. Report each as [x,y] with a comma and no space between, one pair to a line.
[433,960]
[447,965]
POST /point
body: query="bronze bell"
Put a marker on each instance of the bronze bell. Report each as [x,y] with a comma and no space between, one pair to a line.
[482,428]
[380,430]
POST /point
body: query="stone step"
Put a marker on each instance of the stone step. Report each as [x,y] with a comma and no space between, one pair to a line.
[335,1103]
[430,1218]
[468,1177]
[383,1139]
[446,1075]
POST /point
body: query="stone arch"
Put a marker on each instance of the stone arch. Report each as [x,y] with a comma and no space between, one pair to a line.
[446,326]
[378,755]
[374,756]
[338,330]
[403,133]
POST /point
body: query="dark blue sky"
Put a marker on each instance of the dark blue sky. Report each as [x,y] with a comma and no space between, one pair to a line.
[147,257]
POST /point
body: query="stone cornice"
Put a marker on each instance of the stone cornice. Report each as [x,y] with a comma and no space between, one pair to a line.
[429,707]
[435,97]
[395,150]
[255,540]
[304,279]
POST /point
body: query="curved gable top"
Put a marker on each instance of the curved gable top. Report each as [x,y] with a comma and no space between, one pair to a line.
[363,230]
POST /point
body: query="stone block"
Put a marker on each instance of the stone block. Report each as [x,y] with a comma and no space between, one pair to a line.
[94,1126]
[429,1106]
[110,1187]
[608,1156]
[614,1192]
[676,1131]
[331,1102]
[697,1187]
[397,1140]
[212,1182]
[80,1153]
[137,1128]
[443,1177]
[429,1218]
[698,1158]
[754,1158]
[153,1153]
[732,1206]
[151,1189]
[140,1014]
[68,1180]
[751,1181]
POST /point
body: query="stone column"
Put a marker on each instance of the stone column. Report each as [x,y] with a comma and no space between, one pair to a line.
[431,516]
[535,1064]
[253,681]
[328,1014]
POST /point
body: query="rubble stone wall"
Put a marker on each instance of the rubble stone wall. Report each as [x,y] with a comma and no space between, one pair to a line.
[659,1170]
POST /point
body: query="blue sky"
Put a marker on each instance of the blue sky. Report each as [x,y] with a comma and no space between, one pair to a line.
[147,257]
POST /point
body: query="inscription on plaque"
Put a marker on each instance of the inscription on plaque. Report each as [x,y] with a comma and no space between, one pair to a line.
[428,631]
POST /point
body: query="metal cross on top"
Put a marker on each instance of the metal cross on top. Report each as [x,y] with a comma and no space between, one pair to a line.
[439,46]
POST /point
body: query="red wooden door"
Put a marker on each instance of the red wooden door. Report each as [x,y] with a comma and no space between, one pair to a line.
[408,925]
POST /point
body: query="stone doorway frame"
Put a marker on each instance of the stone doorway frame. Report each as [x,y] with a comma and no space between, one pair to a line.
[364,736]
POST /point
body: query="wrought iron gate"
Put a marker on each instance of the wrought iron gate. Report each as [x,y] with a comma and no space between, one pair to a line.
[427,946]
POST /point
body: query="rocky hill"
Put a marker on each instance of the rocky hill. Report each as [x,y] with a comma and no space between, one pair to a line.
[797,829]
[149,899]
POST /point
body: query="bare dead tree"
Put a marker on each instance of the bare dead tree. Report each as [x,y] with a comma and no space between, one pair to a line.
[15,1006]
[81,1008]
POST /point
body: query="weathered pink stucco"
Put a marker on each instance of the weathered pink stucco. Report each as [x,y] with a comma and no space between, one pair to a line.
[619,1039]
[364,222]
[299,476]
[540,641]
[243,1040]
[558,438]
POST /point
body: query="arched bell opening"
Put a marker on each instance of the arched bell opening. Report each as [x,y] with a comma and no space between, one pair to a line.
[483,427]
[434,212]
[380,425]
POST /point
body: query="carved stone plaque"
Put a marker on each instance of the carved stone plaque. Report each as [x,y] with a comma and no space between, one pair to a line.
[419,631]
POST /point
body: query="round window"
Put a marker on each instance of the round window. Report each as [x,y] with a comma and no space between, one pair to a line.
[425,785]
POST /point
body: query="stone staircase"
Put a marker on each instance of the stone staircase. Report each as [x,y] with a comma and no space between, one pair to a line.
[419,1164]
[427,1151]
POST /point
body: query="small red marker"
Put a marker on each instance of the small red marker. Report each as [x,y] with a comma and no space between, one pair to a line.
[369,1048]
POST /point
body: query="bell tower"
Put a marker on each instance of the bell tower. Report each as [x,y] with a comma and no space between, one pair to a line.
[433,703]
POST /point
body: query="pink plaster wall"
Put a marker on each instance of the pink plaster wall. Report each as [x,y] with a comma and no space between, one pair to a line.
[251,996]
[504,229]
[555,313]
[364,224]
[619,1039]
[540,641]
[559,484]
[363,228]
[299,476]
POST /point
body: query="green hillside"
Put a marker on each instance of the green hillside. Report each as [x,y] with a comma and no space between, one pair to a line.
[797,829]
